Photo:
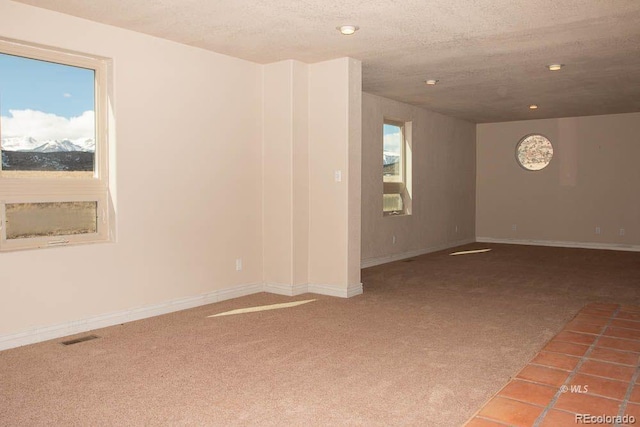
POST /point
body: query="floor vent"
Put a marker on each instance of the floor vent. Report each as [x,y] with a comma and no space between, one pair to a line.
[81,339]
[408,260]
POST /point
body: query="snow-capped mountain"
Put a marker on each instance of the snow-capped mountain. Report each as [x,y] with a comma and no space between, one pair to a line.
[88,144]
[20,143]
[26,144]
[389,158]
[56,147]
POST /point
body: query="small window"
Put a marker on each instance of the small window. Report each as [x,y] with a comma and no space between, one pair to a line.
[53,141]
[396,169]
[534,152]
[392,164]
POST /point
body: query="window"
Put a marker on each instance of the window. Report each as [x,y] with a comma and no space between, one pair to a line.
[534,152]
[396,167]
[53,175]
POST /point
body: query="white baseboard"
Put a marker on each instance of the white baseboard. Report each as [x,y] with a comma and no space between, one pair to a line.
[354,290]
[285,289]
[102,321]
[237,292]
[334,291]
[370,262]
[293,290]
[562,244]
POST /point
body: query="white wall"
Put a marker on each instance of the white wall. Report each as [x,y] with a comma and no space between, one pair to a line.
[188,129]
[334,139]
[300,172]
[213,159]
[311,130]
[286,175]
[278,172]
[591,181]
[443,181]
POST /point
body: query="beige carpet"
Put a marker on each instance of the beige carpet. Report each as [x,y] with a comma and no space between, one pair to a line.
[428,343]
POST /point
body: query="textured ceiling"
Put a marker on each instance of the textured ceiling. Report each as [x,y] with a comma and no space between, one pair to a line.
[489,55]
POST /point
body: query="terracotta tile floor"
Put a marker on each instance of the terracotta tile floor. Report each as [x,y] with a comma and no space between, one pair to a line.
[591,367]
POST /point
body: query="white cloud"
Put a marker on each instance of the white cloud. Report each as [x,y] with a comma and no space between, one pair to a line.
[44,126]
[392,142]
[66,95]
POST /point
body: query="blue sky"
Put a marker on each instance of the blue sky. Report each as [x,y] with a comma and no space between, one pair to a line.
[389,129]
[391,138]
[44,86]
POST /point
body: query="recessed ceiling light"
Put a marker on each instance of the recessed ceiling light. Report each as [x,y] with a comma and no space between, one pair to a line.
[432,82]
[347,30]
[555,67]
[533,107]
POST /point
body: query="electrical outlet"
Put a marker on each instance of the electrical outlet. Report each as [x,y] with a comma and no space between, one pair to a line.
[514,227]
[393,239]
[239,264]
[598,230]
[456,228]
[622,231]
[337,176]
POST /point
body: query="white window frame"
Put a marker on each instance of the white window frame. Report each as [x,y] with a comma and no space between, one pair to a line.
[401,187]
[40,189]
